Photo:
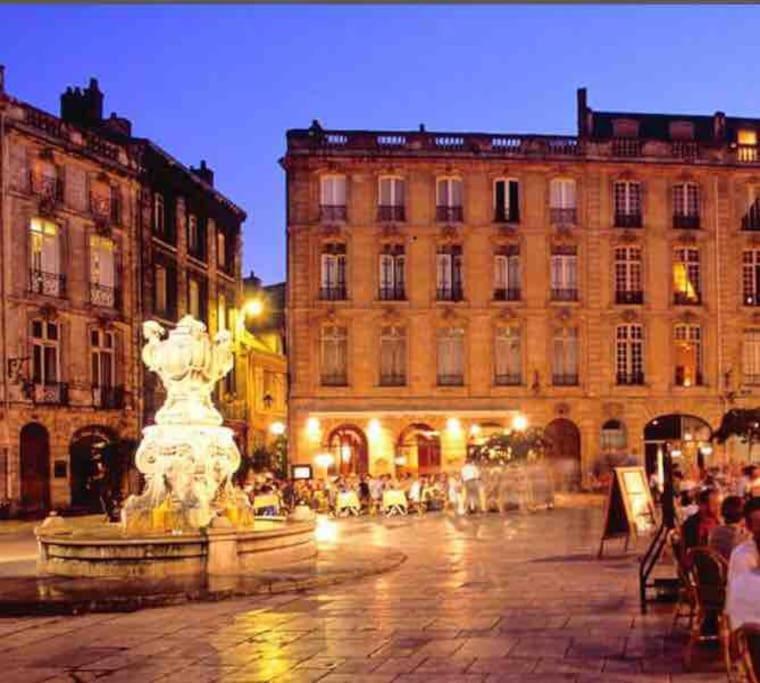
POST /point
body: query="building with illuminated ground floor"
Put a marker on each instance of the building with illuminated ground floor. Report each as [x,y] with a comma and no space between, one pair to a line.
[605,286]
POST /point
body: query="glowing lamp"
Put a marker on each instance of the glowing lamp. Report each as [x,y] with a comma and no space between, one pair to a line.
[253,307]
[453,425]
[277,428]
[373,428]
[520,423]
[400,460]
[324,460]
[312,427]
[475,430]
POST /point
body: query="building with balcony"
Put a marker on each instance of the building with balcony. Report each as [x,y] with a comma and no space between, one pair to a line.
[604,285]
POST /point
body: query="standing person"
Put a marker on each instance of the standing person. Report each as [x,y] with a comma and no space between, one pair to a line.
[376,493]
[471,480]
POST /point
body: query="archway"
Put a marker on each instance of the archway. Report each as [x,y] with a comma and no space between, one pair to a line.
[348,445]
[687,435]
[34,447]
[563,453]
[419,443]
[94,457]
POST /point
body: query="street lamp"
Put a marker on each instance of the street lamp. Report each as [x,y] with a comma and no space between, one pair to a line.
[520,423]
[253,307]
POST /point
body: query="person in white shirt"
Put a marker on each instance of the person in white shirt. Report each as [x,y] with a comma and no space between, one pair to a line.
[743,589]
[471,479]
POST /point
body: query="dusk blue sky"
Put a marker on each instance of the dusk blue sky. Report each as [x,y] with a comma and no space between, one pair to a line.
[224,83]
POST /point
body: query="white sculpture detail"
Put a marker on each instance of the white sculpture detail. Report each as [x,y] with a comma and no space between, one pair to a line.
[188,457]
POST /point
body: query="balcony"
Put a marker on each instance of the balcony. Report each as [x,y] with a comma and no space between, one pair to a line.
[687,299]
[47,284]
[693,379]
[452,293]
[626,147]
[629,297]
[392,380]
[751,299]
[50,393]
[449,214]
[507,294]
[563,216]
[504,215]
[628,220]
[392,293]
[48,188]
[564,294]
[682,221]
[565,380]
[333,293]
[450,380]
[391,214]
[107,297]
[629,378]
[329,212]
[107,397]
[508,380]
[334,380]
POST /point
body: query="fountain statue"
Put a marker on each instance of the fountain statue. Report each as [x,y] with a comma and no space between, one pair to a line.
[188,457]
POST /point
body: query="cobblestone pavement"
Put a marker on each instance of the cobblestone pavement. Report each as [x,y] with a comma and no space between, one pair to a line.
[517,598]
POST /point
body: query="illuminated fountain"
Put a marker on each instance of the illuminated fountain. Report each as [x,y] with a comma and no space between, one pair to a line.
[190,517]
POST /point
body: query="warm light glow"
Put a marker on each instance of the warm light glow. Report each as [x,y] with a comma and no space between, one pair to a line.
[345,453]
[475,429]
[312,427]
[453,425]
[326,530]
[373,428]
[277,428]
[676,453]
[707,449]
[324,460]
[253,307]
[746,137]
[520,423]
[400,460]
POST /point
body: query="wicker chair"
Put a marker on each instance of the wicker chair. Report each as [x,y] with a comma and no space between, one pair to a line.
[687,600]
[747,640]
[708,571]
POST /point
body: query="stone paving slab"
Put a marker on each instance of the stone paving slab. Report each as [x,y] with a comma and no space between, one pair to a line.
[519,598]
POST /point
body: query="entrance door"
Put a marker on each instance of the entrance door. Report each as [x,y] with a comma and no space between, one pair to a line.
[564,453]
[35,467]
[428,454]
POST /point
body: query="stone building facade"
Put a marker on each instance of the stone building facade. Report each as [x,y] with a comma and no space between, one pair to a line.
[69,204]
[603,286]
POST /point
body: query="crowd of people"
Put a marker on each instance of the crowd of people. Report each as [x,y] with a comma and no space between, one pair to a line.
[472,489]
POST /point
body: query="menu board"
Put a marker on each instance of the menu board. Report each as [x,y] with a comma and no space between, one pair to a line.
[629,508]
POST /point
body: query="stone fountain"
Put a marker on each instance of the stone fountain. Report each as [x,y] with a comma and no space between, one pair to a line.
[190,517]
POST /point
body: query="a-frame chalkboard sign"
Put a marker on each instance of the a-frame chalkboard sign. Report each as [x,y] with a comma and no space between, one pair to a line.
[629,509]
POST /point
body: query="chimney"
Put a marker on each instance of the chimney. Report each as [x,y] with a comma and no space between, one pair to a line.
[204,173]
[584,120]
[83,107]
[119,125]
[719,127]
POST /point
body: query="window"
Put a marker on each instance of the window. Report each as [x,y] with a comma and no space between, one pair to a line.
[628,275]
[627,200]
[45,352]
[625,128]
[221,250]
[565,357]
[562,201]
[194,298]
[506,197]
[193,237]
[751,277]
[613,436]
[333,198]
[751,357]
[507,273]
[390,205]
[747,140]
[392,357]
[686,205]
[45,251]
[564,274]
[102,357]
[159,214]
[687,287]
[449,273]
[102,272]
[507,356]
[449,200]
[334,356]
[451,357]
[392,261]
[681,130]
[629,354]
[333,272]
[160,283]
[751,219]
[688,355]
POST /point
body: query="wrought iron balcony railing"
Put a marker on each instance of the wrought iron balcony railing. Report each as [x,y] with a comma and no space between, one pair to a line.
[629,296]
[563,216]
[334,380]
[687,299]
[101,295]
[628,220]
[751,299]
[503,214]
[392,380]
[565,380]
[630,378]
[48,284]
[391,213]
[564,294]
[450,380]
[333,212]
[392,293]
[507,379]
[452,293]
[684,221]
[507,294]
[693,379]
[50,393]
[108,397]
[46,187]
[449,214]
[333,293]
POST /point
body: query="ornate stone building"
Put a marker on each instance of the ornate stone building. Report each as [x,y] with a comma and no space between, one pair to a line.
[604,286]
[100,231]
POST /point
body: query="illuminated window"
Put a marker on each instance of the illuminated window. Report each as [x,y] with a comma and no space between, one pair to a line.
[451,356]
[392,356]
[687,288]
[629,354]
[688,355]
[102,271]
[507,356]
[334,356]
[221,249]
[45,253]
[747,137]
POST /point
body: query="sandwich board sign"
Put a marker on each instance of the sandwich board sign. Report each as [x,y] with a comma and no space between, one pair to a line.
[629,509]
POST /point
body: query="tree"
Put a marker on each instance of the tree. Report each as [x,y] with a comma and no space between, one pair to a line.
[741,423]
[273,457]
[513,446]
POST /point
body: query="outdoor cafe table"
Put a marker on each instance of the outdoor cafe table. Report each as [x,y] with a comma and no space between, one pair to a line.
[347,500]
[266,501]
[394,498]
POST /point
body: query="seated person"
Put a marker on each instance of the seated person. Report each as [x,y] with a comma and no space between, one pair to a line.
[695,531]
[743,589]
[732,532]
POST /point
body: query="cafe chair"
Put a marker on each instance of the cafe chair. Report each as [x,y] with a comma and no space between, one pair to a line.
[708,570]
[686,604]
[747,640]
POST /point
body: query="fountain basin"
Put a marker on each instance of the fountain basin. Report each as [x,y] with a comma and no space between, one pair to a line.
[107,552]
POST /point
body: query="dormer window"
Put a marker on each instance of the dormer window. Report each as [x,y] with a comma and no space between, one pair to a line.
[681,130]
[625,128]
